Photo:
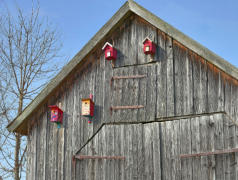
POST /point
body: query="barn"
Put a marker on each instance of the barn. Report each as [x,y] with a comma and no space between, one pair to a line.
[141,100]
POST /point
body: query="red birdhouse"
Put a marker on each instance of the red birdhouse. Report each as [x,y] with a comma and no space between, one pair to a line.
[149,46]
[110,51]
[88,107]
[56,114]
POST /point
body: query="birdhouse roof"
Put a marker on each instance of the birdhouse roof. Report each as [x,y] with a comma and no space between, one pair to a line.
[19,124]
[147,38]
[106,44]
[56,107]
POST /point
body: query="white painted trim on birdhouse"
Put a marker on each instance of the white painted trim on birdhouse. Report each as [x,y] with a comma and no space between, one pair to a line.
[147,38]
[105,45]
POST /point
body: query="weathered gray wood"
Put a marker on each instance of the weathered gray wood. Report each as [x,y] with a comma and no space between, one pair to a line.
[103,151]
[147,137]
[60,173]
[170,83]
[136,92]
[183,80]
[179,70]
[140,153]
[196,163]
[167,151]
[226,160]
[213,88]
[42,143]
[175,150]
[113,24]
[203,133]
[69,126]
[130,42]
[219,145]
[96,163]
[107,93]
[211,145]
[39,154]
[123,152]
[150,93]
[221,94]
[117,152]
[110,151]
[143,30]
[185,148]
[178,81]
[165,77]
[142,93]
[232,144]
[235,117]
[156,151]
[199,84]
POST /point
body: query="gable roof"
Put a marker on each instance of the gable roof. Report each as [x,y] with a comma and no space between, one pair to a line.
[128,8]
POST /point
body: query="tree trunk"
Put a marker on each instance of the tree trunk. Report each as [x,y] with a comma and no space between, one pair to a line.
[18,144]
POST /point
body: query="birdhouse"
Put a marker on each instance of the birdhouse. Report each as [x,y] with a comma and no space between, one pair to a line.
[149,46]
[110,51]
[56,114]
[88,107]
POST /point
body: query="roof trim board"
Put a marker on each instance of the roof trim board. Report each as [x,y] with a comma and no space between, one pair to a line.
[128,7]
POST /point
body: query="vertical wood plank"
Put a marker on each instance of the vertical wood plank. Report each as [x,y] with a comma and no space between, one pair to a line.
[156,151]
[142,93]
[203,129]
[226,160]
[107,92]
[200,85]
[175,150]
[211,145]
[213,88]
[60,175]
[165,77]
[185,148]
[140,153]
[170,83]
[117,151]
[219,145]
[196,165]
[150,93]
[148,135]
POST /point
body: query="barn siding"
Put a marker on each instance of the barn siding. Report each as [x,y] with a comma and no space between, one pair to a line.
[178,82]
[167,140]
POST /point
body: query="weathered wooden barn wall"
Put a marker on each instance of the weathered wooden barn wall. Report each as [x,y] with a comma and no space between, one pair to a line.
[143,145]
[177,83]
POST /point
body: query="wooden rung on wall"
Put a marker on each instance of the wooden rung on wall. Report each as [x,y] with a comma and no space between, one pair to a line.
[209,153]
[81,157]
[126,107]
[127,77]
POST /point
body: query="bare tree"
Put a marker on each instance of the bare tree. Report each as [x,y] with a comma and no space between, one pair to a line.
[28,48]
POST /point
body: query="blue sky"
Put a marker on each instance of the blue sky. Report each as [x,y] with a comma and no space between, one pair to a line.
[213,23]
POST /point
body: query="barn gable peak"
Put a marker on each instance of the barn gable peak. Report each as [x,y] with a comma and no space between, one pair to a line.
[130,7]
